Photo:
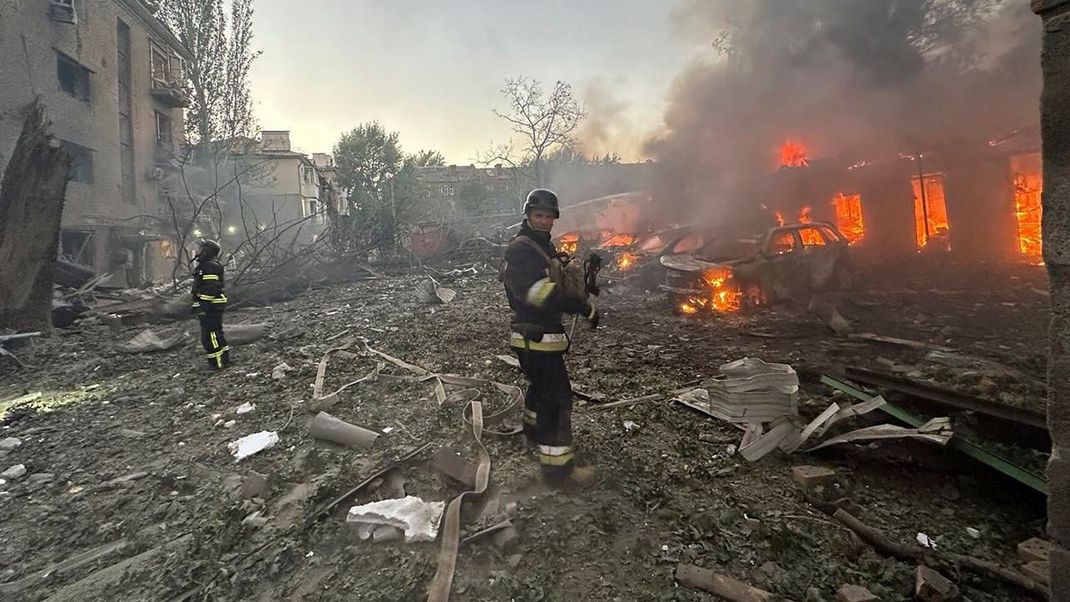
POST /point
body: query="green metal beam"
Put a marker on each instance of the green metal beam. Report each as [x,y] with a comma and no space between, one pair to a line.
[971,449]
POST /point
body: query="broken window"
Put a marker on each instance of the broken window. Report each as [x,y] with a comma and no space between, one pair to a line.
[81,162]
[782,244]
[1028,186]
[930,212]
[849,216]
[811,237]
[163,130]
[73,77]
[62,11]
[160,67]
[75,246]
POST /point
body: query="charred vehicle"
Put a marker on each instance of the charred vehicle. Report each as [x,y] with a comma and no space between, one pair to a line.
[731,273]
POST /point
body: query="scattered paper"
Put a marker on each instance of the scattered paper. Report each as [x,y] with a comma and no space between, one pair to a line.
[244,408]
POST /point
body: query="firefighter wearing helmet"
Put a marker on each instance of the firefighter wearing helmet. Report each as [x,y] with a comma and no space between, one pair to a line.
[539,295]
[209,303]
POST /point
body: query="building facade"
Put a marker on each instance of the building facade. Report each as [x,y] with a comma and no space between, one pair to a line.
[110,77]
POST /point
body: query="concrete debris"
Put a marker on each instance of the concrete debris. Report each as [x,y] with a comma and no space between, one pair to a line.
[15,472]
[931,586]
[925,541]
[41,477]
[974,533]
[279,371]
[252,444]
[1038,570]
[812,476]
[244,408]
[631,425]
[431,293]
[450,463]
[148,340]
[1034,549]
[255,485]
[229,424]
[419,520]
[10,443]
[255,520]
[327,427]
[838,323]
[855,593]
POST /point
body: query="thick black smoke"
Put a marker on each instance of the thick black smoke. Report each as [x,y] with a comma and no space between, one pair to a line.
[852,79]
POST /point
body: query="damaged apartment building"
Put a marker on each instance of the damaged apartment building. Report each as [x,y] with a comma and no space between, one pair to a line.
[110,77]
[977,202]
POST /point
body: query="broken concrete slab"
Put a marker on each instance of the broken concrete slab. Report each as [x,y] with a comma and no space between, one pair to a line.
[812,476]
[429,291]
[855,593]
[243,334]
[255,520]
[96,584]
[254,485]
[279,371]
[450,463]
[252,444]
[10,443]
[327,427]
[1034,549]
[14,472]
[419,520]
[1038,570]
[931,586]
[148,340]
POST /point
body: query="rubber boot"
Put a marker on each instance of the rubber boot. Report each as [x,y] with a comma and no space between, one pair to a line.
[579,478]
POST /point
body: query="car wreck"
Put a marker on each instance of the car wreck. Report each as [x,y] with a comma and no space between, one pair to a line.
[728,274]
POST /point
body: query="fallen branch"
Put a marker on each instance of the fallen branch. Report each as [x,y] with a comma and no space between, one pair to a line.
[720,585]
[881,543]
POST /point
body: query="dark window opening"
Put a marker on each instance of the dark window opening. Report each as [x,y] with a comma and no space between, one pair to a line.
[76,246]
[81,162]
[73,77]
[163,130]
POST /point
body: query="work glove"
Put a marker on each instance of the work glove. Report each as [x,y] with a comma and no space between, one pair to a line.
[594,317]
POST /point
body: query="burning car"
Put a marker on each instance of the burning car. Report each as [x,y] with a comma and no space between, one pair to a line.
[728,274]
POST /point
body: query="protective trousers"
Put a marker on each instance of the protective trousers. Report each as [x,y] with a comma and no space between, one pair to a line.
[548,410]
[215,344]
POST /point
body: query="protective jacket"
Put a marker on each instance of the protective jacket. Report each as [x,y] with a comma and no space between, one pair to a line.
[537,302]
[208,287]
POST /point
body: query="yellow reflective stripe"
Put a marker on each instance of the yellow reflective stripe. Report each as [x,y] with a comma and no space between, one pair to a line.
[215,340]
[210,277]
[540,291]
[555,455]
[219,353]
[213,299]
[549,342]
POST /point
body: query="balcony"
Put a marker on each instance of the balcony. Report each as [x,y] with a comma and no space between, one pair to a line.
[168,89]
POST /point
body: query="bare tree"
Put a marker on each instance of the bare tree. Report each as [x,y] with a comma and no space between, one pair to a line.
[543,121]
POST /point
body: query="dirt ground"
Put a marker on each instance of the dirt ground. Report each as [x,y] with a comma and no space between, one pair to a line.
[129,449]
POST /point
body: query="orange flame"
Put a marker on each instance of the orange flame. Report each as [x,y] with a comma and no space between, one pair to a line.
[793,154]
[626,261]
[610,240]
[849,216]
[779,218]
[724,295]
[934,208]
[804,215]
[1028,187]
[569,243]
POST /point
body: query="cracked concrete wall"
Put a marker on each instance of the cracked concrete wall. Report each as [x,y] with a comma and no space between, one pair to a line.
[1055,125]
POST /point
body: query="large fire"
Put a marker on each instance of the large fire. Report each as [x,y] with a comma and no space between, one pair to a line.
[810,236]
[930,216]
[849,216]
[723,295]
[793,154]
[1028,186]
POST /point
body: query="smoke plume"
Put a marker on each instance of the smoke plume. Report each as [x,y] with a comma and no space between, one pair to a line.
[856,80]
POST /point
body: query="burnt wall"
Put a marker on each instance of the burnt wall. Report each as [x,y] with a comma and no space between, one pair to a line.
[980,206]
[1055,127]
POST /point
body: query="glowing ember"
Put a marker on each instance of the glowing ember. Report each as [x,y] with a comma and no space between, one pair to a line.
[793,154]
[849,216]
[933,211]
[688,308]
[626,261]
[610,240]
[569,243]
[779,218]
[1028,185]
[804,215]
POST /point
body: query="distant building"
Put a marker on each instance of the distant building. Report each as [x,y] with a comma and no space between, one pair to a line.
[283,190]
[445,186]
[111,79]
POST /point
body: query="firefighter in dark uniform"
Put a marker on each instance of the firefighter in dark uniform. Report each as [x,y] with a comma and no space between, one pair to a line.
[540,342]
[209,303]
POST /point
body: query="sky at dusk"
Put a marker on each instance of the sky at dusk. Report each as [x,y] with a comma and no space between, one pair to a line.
[432,69]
